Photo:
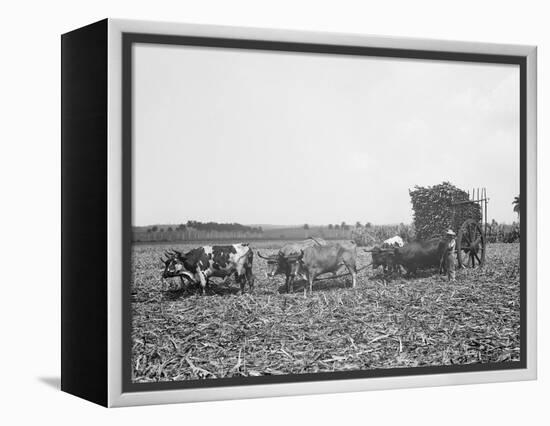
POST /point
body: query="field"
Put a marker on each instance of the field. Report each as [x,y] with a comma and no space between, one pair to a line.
[385,322]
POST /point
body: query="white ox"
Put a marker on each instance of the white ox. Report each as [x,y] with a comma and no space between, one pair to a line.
[396,241]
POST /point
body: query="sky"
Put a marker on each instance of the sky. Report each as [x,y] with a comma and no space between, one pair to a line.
[258,137]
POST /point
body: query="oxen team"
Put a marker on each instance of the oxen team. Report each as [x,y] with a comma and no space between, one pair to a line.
[306,259]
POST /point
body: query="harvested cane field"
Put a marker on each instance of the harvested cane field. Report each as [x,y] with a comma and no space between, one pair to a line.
[385,322]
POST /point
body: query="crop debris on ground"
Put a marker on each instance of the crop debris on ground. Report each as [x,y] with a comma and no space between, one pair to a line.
[385,322]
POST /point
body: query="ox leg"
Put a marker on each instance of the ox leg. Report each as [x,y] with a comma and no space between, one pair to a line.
[240,276]
[352,269]
[353,272]
[250,278]
[203,282]
[442,265]
[242,282]
[289,283]
[309,284]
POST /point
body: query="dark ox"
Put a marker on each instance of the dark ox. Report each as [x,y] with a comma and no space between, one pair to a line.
[421,254]
[199,264]
[316,260]
[384,257]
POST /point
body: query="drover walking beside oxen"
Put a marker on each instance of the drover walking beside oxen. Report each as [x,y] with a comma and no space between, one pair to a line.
[448,258]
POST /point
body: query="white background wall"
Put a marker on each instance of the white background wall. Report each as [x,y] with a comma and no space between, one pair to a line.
[30,173]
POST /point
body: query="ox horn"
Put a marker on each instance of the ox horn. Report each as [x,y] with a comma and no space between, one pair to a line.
[273,257]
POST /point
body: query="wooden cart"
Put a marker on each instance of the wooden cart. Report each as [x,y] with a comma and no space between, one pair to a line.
[472,235]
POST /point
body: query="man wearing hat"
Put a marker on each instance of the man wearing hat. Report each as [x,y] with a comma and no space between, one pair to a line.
[448,258]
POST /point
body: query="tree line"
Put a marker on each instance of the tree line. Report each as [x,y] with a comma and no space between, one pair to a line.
[207,226]
[343,226]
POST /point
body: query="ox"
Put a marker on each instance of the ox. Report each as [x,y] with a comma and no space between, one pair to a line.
[384,257]
[318,259]
[280,263]
[201,263]
[421,254]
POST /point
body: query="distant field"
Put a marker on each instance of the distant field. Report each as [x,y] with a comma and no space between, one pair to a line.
[382,323]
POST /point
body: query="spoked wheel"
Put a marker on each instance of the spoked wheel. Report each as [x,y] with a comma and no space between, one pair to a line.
[470,245]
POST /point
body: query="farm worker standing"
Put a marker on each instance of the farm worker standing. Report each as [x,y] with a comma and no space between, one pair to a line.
[449,256]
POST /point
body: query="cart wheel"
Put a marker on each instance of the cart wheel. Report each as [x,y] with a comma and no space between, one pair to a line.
[470,245]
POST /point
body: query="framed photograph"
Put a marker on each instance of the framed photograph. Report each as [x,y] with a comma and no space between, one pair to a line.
[252,212]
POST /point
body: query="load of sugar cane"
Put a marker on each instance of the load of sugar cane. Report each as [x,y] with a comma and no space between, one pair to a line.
[439,208]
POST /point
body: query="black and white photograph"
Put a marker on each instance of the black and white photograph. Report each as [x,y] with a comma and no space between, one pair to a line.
[301,213]
[286,212]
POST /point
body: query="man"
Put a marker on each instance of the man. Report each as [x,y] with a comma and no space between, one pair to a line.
[448,257]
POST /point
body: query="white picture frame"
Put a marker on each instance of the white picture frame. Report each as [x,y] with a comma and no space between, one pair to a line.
[110,389]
